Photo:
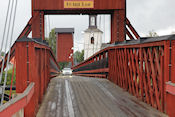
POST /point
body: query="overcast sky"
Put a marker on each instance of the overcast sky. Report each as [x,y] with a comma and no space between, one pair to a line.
[145,15]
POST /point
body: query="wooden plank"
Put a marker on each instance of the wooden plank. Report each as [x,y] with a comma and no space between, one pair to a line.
[154,80]
[91,97]
[69,100]
[134,72]
[131,74]
[127,71]
[141,74]
[148,77]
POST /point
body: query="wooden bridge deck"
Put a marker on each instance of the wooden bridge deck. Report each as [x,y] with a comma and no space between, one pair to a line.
[91,97]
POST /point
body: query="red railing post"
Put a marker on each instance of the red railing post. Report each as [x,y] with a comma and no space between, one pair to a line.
[170,83]
[109,65]
[141,73]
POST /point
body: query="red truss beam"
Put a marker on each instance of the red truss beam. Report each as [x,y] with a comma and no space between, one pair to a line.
[129,34]
[132,29]
[26,30]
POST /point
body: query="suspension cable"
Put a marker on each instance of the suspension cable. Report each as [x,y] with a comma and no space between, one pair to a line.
[49,23]
[8,29]
[5,26]
[45,19]
[104,29]
[7,64]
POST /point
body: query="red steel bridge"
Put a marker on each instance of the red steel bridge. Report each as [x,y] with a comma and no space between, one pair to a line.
[129,78]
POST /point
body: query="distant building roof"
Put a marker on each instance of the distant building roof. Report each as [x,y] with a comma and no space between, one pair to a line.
[93,30]
[64,30]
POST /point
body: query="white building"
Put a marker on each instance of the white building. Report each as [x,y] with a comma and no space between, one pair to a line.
[92,38]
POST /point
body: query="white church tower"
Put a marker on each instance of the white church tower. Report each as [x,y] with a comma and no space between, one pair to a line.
[92,38]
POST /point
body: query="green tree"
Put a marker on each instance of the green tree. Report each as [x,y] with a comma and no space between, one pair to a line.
[52,40]
[152,33]
[62,65]
[79,56]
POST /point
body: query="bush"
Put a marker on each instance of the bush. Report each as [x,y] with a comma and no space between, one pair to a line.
[9,76]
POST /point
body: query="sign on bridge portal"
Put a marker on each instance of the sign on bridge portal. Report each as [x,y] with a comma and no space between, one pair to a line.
[79,4]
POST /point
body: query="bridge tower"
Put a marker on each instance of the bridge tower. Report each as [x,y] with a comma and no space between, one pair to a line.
[64,44]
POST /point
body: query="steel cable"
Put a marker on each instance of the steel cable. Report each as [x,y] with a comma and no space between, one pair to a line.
[45,29]
[5,28]
[11,37]
[8,30]
[49,24]
[3,38]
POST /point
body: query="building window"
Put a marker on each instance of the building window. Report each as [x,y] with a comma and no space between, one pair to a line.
[92,40]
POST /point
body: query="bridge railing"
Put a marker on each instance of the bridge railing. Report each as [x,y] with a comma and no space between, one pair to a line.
[36,63]
[145,68]
[95,66]
[140,69]
[15,107]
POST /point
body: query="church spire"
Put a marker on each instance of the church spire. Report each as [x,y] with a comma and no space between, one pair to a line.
[92,21]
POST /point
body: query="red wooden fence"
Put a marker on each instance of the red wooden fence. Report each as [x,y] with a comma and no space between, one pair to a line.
[139,69]
[145,68]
